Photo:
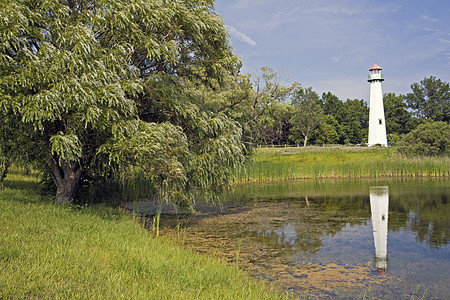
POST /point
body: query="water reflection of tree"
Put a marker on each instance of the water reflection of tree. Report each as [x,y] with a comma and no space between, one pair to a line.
[311,219]
[418,205]
[425,214]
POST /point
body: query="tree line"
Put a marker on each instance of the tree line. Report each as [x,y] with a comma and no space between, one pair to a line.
[146,97]
[301,116]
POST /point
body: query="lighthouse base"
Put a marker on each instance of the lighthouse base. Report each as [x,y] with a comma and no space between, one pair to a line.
[378,144]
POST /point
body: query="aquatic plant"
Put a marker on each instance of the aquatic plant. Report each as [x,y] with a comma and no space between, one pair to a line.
[339,162]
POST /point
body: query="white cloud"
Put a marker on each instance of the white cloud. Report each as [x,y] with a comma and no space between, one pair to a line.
[315,40]
[336,59]
[246,3]
[387,8]
[428,18]
[240,36]
[331,10]
[276,20]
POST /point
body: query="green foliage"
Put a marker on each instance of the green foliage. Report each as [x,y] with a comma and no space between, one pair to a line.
[428,139]
[104,89]
[66,147]
[430,99]
[398,119]
[328,132]
[331,103]
[353,116]
[274,125]
[308,115]
[266,107]
[214,147]
[12,142]
[393,138]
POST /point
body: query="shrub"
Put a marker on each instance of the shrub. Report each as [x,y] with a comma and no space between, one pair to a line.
[428,139]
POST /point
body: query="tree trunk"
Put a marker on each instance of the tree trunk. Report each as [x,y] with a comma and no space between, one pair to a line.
[4,164]
[66,177]
[306,139]
[4,161]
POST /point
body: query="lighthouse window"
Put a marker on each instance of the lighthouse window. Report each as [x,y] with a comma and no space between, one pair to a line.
[380,122]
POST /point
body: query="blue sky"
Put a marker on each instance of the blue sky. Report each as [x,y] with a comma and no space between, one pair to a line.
[331,44]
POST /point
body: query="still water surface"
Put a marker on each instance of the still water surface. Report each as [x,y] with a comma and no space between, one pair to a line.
[346,239]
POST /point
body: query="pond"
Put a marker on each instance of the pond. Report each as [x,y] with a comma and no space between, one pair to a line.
[345,239]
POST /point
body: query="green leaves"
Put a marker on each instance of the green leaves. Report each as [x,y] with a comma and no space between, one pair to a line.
[430,99]
[398,118]
[428,139]
[122,89]
[309,114]
[67,147]
[147,145]
[153,155]
[214,147]
[220,152]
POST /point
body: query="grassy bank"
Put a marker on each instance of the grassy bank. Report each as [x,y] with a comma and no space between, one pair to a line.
[338,162]
[49,251]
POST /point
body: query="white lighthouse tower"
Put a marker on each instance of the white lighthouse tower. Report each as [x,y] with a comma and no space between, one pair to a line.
[377,126]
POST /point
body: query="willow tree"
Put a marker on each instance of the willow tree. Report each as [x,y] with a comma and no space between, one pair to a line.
[110,88]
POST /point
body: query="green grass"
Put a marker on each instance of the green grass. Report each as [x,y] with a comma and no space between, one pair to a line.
[98,252]
[339,162]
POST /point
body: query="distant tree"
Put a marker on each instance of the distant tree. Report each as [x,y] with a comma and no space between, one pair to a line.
[308,114]
[268,92]
[331,104]
[256,102]
[274,125]
[353,117]
[428,139]
[398,118]
[430,99]
[328,131]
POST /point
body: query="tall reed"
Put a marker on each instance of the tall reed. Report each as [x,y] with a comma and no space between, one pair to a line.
[315,162]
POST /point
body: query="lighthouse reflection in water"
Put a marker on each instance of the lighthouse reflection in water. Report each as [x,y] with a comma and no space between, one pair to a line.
[379,206]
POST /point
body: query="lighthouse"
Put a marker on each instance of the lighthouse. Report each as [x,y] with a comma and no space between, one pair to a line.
[377,126]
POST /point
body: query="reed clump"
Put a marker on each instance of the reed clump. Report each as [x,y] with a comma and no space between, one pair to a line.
[339,162]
